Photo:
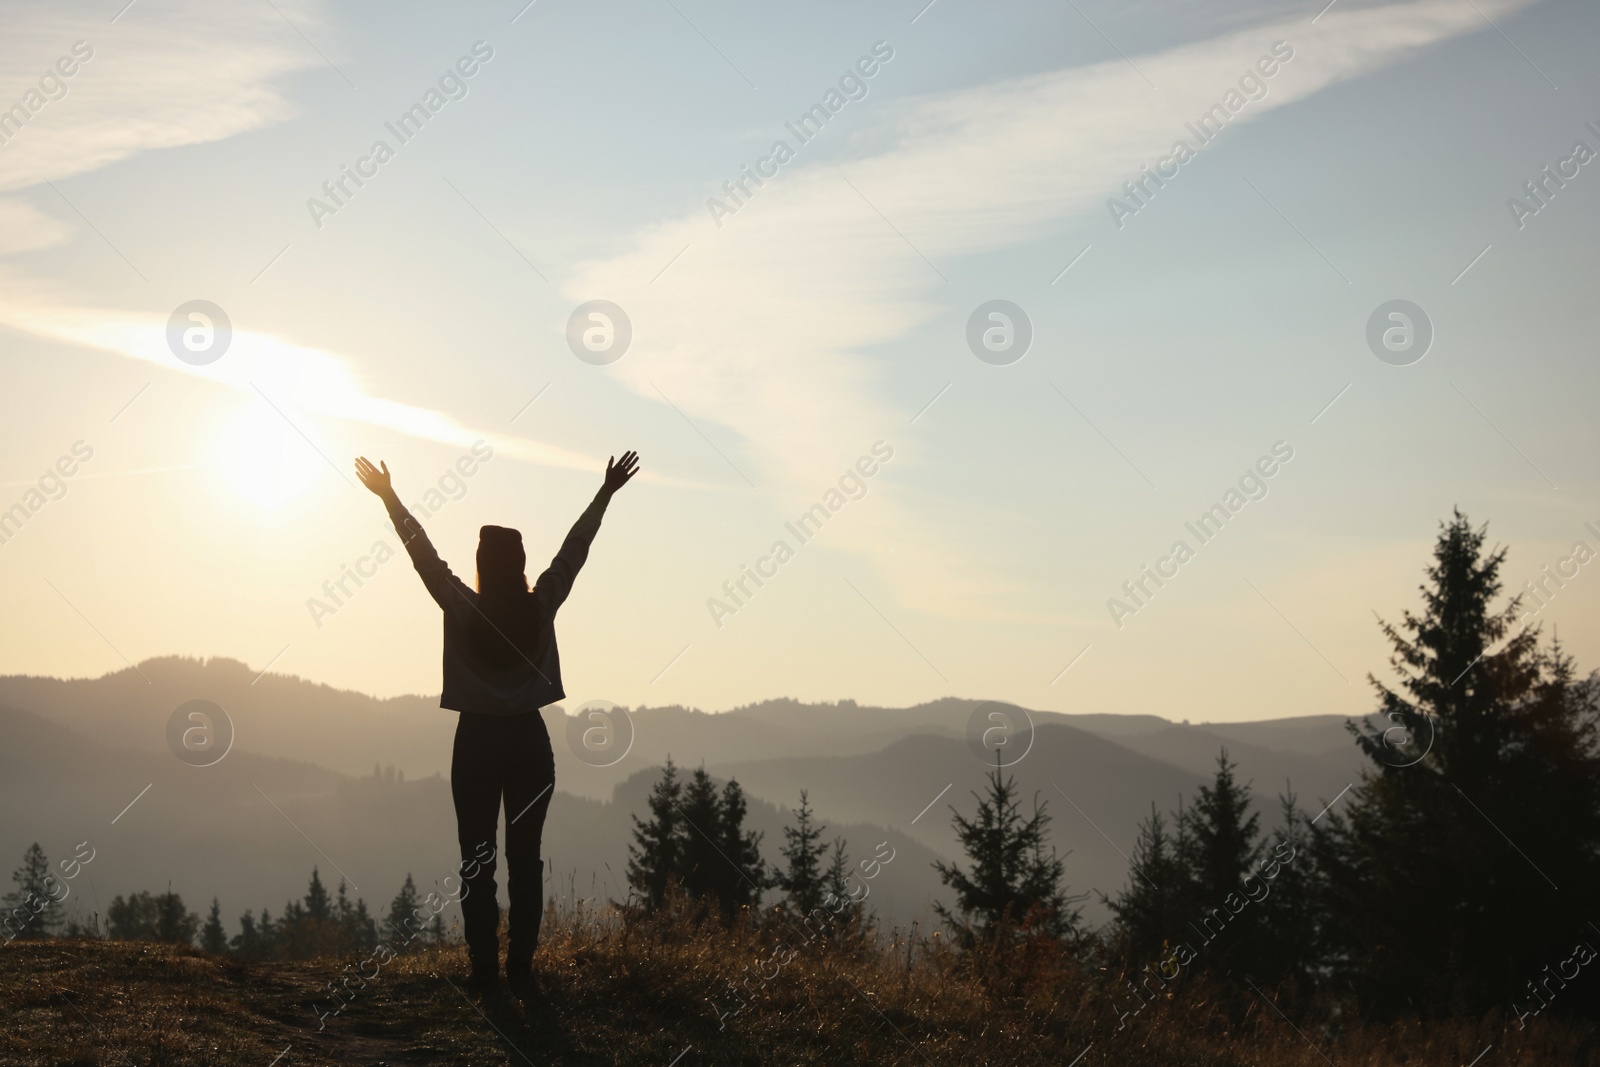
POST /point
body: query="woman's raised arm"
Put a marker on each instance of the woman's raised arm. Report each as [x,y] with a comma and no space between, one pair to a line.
[448,591]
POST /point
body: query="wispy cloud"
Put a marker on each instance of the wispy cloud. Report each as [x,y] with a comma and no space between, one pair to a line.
[306,379]
[767,325]
[166,74]
[24,228]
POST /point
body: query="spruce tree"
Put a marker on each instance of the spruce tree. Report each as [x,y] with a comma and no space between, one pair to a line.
[1151,910]
[653,858]
[1223,843]
[339,933]
[318,907]
[1289,938]
[247,942]
[213,938]
[696,840]
[1441,866]
[344,910]
[33,909]
[743,874]
[295,940]
[702,869]
[802,876]
[836,883]
[363,929]
[270,936]
[175,924]
[841,901]
[1013,880]
[1221,847]
[400,935]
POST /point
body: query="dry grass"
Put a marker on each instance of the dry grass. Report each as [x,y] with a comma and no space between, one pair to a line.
[642,993]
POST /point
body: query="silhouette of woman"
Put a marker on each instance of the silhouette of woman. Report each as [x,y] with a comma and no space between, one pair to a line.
[500,667]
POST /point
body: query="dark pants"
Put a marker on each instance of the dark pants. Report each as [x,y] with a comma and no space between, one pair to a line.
[499,756]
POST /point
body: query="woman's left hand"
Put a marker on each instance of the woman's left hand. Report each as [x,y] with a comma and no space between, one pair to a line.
[375,479]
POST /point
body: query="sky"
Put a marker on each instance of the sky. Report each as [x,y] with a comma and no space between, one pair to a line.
[1160,348]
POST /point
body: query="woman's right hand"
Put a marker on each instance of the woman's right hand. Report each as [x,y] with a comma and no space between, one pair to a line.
[618,472]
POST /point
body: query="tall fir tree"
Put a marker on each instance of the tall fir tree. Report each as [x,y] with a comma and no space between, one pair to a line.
[1289,942]
[344,909]
[1012,880]
[743,874]
[802,876]
[1151,910]
[267,931]
[1221,847]
[836,882]
[1223,843]
[696,840]
[33,909]
[400,925]
[175,924]
[318,907]
[363,931]
[702,870]
[247,943]
[1464,859]
[213,938]
[841,901]
[653,858]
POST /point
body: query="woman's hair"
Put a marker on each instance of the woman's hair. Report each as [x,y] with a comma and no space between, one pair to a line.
[502,630]
[501,560]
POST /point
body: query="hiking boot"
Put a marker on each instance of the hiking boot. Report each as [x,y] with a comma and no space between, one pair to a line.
[485,976]
[524,982]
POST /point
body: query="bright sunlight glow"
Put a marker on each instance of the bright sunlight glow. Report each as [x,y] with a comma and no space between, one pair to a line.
[264,460]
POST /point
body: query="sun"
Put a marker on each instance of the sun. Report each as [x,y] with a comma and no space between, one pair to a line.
[264,460]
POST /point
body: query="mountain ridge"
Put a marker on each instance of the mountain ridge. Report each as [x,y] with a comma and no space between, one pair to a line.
[315,752]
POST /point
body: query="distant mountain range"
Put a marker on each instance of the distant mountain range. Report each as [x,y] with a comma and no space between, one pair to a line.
[347,782]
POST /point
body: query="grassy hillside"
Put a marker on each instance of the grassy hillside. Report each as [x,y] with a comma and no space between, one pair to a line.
[644,996]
